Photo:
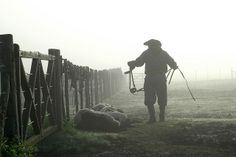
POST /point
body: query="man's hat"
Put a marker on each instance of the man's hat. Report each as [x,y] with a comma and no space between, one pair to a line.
[153,42]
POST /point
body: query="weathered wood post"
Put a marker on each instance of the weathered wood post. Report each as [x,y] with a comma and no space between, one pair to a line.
[18,87]
[76,97]
[11,128]
[81,93]
[104,80]
[112,81]
[76,69]
[49,81]
[87,93]
[5,83]
[101,86]
[57,85]
[91,78]
[62,90]
[66,89]
[37,96]
[81,86]
[96,86]
[107,83]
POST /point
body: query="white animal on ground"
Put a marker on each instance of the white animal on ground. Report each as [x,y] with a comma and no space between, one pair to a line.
[102,117]
[87,119]
[104,107]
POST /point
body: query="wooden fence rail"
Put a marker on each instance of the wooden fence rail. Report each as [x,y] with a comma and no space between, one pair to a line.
[35,105]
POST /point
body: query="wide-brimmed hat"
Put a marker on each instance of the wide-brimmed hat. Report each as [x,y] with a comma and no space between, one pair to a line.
[153,42]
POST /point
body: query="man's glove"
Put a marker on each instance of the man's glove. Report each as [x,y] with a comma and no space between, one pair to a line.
[131,65]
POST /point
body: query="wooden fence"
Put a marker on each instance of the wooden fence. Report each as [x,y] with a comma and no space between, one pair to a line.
[35,105]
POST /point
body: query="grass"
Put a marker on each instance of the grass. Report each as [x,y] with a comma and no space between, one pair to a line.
[206,128]
[15,149]
[72,141]
[177,138]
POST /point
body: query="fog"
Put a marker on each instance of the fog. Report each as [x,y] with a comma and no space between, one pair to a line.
[199,34]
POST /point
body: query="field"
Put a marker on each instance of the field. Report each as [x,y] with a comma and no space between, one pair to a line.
[215,100]
[202,128]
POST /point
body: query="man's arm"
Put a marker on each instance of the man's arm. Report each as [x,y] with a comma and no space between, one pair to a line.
[138,62]
[170,61]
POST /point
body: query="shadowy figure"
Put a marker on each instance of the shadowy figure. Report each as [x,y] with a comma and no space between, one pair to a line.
[156,61]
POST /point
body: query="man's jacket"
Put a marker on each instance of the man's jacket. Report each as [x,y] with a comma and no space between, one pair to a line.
[156,61]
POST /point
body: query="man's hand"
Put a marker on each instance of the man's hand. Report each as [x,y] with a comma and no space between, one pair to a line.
[176,67]
[131,65]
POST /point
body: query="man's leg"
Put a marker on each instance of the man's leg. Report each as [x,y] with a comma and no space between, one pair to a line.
[162,101]
[151,111]
[150,99]
[162,113]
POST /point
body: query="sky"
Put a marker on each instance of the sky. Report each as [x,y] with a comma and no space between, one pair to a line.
[199,34]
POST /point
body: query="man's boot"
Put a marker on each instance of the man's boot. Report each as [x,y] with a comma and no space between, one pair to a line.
[162,113]
[151,111]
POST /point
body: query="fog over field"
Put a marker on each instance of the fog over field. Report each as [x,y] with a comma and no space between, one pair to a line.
[200,35]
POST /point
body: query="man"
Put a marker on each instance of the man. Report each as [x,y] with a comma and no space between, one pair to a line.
[156,61]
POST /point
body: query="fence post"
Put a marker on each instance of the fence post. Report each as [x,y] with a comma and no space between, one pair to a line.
[110,76]
[81,86]
[101,86]
[11,128]
[5,83]
[91,86]
[57,85]
[112,81]
[81,93]
[87,93]
[76,97]
[62,90]
[18,87]
[38,96]
[104,80]
[96,86]
[66,89]
[107,83]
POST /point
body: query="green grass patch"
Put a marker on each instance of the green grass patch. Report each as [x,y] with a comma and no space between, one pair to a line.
[15,149]
[73,141]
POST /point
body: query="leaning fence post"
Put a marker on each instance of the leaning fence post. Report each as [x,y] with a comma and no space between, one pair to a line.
[57,85]
[11,123]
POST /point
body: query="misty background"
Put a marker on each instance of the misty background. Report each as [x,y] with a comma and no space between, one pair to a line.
[199,34]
